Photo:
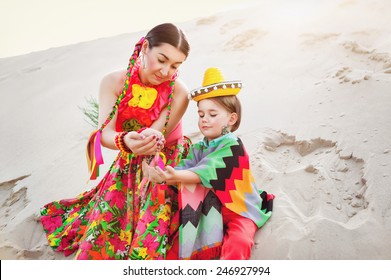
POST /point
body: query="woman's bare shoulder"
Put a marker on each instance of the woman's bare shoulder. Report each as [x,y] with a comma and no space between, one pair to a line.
[114,81]
[115,77]
[181,88]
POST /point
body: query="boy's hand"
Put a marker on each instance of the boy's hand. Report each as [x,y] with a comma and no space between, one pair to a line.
[152,173]
[145,169]
[168,174]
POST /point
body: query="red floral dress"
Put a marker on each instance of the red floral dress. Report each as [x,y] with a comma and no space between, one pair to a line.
[121,218]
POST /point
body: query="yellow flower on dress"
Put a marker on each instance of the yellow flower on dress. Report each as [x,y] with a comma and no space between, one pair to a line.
[143,97]
[53,240]
[165,214]
[142,252]
[93,224]
[125,236]
[72,216]
[111,248]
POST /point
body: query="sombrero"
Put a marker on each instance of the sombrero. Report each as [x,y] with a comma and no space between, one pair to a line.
[214,85]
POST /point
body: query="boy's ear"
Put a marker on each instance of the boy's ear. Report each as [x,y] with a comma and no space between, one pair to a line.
[233,119]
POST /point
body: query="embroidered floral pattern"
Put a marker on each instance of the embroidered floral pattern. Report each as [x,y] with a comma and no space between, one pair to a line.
[117,219]
[141,102]
[131,125]
[143,97]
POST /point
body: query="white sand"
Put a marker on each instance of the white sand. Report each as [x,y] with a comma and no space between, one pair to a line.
[317,123]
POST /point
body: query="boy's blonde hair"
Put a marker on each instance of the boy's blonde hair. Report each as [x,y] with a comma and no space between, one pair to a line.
[232,104]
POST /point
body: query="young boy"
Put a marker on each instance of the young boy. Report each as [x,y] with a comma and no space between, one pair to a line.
[221,206]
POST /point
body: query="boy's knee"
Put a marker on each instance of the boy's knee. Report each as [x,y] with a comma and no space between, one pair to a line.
[237,247]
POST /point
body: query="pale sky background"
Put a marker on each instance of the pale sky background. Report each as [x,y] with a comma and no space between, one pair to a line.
[34,25]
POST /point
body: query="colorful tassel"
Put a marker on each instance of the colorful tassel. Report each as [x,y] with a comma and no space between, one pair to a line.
[94,154]
[158,160]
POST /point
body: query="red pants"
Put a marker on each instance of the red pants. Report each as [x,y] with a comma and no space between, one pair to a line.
[238,238]
[173,253]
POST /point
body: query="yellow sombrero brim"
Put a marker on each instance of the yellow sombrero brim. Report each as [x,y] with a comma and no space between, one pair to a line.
[215,90]
[216,93]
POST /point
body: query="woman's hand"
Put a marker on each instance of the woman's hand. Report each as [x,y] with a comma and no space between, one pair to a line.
[141,144]
[159,136]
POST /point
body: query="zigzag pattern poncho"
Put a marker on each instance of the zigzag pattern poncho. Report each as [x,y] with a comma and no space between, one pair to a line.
[224,168]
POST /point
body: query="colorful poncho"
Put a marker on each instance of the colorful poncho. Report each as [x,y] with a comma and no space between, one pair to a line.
[224,168]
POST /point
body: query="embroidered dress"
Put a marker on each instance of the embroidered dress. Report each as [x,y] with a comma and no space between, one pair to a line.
[224,168]
[120,218]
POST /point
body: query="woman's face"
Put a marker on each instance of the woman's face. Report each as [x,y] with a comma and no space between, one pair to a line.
[161,63]
[212,117]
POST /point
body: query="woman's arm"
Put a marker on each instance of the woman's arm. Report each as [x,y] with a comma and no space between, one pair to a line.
[108,94]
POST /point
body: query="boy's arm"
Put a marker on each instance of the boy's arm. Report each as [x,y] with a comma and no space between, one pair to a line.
[172,176]
[184,177]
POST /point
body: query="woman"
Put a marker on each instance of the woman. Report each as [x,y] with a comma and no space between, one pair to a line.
[123,218]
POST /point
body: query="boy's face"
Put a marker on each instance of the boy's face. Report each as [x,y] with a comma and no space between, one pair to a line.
[213,118]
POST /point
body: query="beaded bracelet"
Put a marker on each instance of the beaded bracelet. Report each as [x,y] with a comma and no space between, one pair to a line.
[120,143]
[116,141]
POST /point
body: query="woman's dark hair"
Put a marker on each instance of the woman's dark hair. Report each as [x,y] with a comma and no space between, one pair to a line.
[170,34]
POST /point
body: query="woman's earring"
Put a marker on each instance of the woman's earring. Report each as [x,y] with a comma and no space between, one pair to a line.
[143,61]
[176,75]
[224,130]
